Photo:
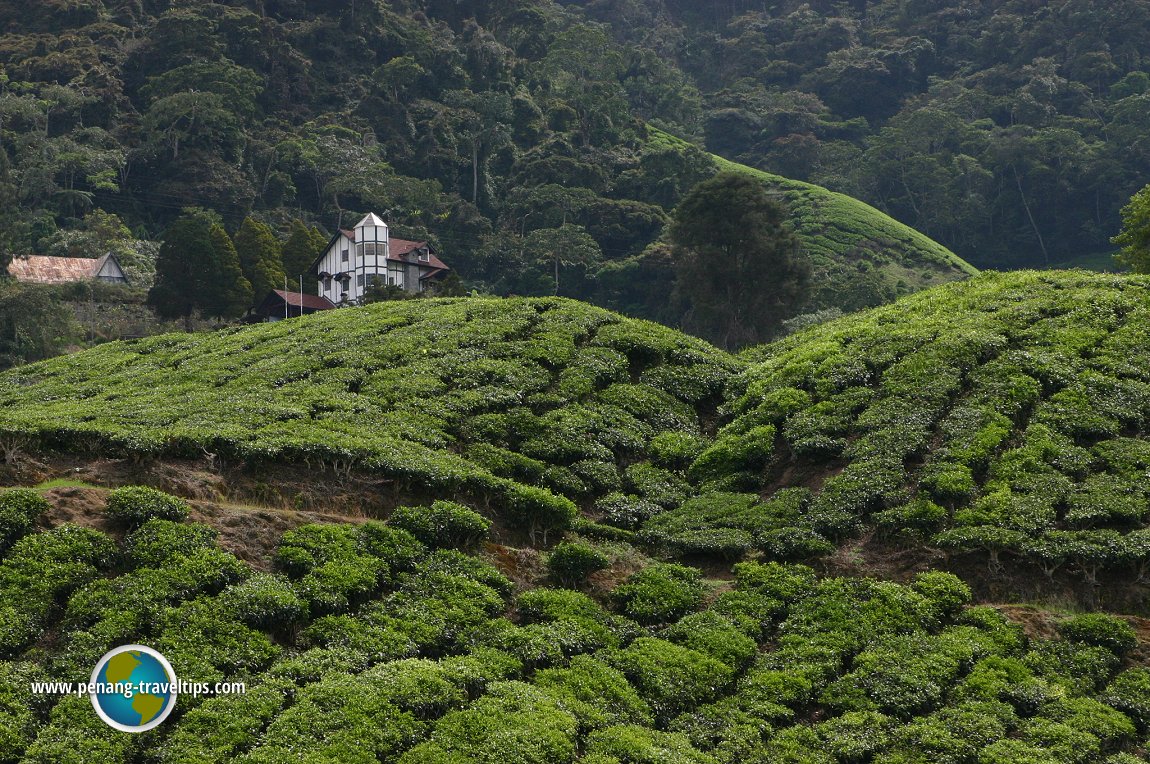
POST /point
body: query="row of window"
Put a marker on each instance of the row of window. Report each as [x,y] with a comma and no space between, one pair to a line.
[394,278]
[379,249]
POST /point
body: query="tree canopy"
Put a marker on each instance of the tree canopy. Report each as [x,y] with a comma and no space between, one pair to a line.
[738,265]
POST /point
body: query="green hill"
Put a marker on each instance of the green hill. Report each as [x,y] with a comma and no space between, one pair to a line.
[523,405]
[694,611]
[1005,416]
[861,257]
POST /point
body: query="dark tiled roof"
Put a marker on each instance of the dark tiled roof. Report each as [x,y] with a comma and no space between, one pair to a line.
[297,300]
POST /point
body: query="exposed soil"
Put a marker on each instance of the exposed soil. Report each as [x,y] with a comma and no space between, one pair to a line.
[251,533]
[253,507]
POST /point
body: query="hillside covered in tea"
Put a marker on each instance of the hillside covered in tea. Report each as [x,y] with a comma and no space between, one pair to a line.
[553,534]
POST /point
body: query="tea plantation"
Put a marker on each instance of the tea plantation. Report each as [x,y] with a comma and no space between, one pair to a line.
[605,542]
[395,642]
[1005,417]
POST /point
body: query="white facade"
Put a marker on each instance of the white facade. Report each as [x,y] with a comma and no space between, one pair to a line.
[356,259]
[350,264]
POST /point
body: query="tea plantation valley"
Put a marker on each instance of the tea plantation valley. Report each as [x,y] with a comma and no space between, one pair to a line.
[531,531]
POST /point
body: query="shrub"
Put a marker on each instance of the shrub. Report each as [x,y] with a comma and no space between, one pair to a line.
[1130,694]
[305,548]
[675,450]
[601,693]
[570,563]
[625,510]
[263,601]
[657,485]
[794,544]
[398,548]
[714,635]
[514,723]
[157,541]
[336,586]
[225,726]
[632,744]
[1102,630]
[729,543]
[730,454]
[444,524]
[671,678]
[945,591]
[135,505]
[20,508]
[661,592]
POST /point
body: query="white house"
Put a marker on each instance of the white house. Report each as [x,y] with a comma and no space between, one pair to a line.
[356,259]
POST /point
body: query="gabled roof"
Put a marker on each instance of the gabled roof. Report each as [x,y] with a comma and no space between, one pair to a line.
[43,269]
[397,248]
[370,219]
[298,300]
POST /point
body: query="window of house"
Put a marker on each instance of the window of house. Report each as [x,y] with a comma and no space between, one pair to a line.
[343,256]
[327,284]
[424,256]
[359,281]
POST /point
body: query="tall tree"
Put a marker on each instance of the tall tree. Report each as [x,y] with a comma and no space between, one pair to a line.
[187,267]
[1135,235]
[233,292]
[737,264]
[198,270]
[260,256]
[302,247]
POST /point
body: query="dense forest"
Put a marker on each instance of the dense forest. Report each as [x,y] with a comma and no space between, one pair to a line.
[512,133]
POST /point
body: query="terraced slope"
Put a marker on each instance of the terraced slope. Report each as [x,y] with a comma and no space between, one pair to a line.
[861,257]
[524,406]
[1003,418]
[1006,417]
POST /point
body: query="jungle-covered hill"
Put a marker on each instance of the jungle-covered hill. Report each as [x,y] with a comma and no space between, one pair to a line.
[1010,132]
[589,538]
[516,136]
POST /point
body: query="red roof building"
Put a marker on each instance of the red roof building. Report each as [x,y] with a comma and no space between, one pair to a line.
[279,305]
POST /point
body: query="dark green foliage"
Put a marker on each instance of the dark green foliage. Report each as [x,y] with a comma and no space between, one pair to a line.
[158,540]
[1130,694]
[671,678]
[602,693]
[1102,630]
[660,593]
[445,524]
[197,269]
[259,257]
[264,601]
[34,324]
[570,563]
[20,508]
[135,505]
[737,265]
[1135,234]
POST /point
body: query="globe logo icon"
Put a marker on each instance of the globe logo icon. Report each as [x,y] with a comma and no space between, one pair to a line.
[135,688]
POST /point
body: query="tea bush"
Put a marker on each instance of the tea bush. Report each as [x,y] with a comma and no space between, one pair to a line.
[20,508]
[135,505]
